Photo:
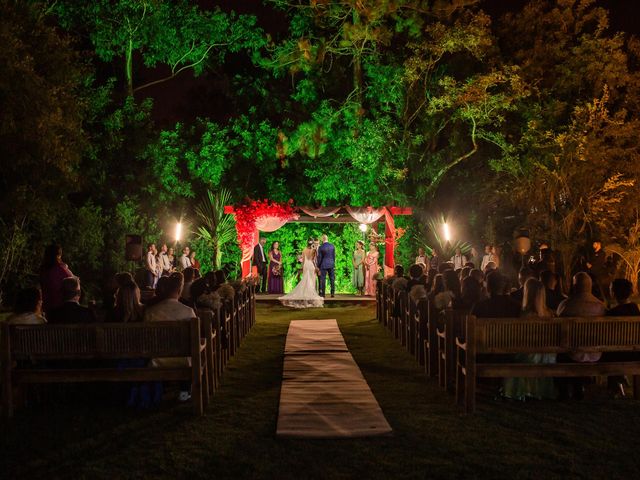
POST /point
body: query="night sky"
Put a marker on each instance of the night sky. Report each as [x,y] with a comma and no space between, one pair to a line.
[186,97]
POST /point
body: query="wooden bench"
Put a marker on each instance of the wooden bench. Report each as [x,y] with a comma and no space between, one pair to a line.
[451,326]
[508,336]
[106,341]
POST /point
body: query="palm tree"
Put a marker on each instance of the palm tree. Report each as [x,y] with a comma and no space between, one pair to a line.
[216,228]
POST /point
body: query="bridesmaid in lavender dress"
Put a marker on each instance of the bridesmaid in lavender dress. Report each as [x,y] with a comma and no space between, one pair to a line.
[275,284]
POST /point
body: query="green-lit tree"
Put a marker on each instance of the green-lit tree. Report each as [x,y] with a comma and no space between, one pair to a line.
[176,35]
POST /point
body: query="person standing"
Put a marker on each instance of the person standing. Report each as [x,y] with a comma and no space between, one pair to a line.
[275,284]
[599,268]
[194,261]
[52,272]
[434,261]
[172,259]
[422,259]
[488,257]
[327,264]
[151,266]
[371,270]
[260,262]
[185,261]
[357,278]
[459,260]
[163,260]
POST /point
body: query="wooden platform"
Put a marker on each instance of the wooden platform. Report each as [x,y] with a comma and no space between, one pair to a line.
[324,394]
[339,298]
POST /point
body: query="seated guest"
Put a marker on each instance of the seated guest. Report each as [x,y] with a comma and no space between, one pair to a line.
[440,296]
[128,307]
[418,292]
[499,304]
[472,289]
[534,305]
[161,292]
[581,303]
[168,309]
[452,280]
[552,289]
[28,308]
[399,281]
[524,274]
[621,290]
[490,267]
[464,272]
[189,277]
[416,277]
[71,311]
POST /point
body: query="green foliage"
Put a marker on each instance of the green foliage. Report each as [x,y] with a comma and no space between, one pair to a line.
[216,228]
[177,34]
[293,238]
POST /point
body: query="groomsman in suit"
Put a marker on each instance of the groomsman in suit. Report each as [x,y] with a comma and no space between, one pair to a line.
[327,264]
[260,262]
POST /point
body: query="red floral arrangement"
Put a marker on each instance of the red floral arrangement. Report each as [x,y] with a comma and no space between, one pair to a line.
[248,214]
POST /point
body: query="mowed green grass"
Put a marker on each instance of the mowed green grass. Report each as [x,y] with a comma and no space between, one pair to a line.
[596,438]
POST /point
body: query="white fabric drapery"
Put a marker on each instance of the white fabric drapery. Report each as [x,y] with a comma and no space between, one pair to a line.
[365,215]
[320,211]
[270,224]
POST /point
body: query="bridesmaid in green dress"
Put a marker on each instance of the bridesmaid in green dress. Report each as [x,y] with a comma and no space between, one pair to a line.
[357,278]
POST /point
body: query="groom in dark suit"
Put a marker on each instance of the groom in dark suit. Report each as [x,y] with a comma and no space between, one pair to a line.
[260,262]
[326,263]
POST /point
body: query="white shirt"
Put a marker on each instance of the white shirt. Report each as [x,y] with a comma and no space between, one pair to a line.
[164,261]
[488,257]
[458,261]
[185,261]
[264,259]
[152,263]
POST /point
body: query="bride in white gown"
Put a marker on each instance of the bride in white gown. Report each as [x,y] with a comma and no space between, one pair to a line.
[304,295]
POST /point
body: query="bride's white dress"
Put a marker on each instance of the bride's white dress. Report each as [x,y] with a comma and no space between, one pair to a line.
[304,295]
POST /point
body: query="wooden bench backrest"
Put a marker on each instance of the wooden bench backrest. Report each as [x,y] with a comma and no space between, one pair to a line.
[103,340]
[557,335]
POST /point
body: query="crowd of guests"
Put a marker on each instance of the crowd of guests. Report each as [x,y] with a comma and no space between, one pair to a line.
[177,296]
[164,262]
[488,293]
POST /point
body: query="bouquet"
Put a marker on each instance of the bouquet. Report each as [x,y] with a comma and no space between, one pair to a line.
[277,270]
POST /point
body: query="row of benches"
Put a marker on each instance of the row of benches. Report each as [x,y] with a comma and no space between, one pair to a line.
[459,348]
[37,354]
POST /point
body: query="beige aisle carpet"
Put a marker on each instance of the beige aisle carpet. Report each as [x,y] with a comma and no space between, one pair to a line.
[324,394]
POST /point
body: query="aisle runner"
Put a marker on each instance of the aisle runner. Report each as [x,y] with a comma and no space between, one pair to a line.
[324,394]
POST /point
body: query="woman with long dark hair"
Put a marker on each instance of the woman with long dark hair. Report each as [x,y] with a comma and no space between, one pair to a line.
[52,272]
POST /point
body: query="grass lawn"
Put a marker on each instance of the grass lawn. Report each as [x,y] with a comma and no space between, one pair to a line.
[596,438]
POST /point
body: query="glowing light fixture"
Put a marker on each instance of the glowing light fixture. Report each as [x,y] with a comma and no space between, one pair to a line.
[446,231]
[363,227]
[178,231]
